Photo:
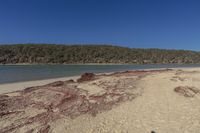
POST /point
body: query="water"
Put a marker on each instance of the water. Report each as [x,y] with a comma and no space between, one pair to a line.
[17,73]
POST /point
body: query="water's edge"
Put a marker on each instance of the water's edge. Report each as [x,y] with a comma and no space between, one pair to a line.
[20,73]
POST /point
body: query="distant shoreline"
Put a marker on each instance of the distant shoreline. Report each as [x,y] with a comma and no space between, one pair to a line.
[66,64]
[24,64]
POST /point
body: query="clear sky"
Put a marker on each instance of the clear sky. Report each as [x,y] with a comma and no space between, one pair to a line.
[172,24]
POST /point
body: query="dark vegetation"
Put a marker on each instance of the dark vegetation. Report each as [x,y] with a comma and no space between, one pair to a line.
[73,54]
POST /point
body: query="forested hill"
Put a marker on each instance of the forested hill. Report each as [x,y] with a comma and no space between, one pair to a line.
[72,54]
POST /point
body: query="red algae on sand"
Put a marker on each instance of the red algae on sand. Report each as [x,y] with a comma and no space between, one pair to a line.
[64,99]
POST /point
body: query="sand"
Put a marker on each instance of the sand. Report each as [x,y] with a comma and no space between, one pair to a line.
[11,87]
[156,107]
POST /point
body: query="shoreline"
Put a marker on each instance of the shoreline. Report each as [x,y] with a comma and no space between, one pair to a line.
[27,64]
[24,64]
[15,86]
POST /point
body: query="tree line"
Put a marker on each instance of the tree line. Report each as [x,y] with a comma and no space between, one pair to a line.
[81,54]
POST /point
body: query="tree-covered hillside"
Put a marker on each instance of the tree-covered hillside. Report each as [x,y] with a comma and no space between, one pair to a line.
[72,54]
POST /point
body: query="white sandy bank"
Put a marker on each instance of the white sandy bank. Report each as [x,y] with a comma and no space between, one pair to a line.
[10,87]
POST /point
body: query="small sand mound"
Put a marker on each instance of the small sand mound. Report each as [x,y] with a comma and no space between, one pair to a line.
[187,91]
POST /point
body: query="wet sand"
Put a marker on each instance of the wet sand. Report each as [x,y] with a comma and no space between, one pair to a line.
[10,87]
[126,102]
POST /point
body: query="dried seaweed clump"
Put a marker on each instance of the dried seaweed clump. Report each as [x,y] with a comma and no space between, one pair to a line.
[187,91]
[86,77]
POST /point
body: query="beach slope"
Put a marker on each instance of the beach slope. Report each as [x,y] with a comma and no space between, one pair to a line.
[163,101]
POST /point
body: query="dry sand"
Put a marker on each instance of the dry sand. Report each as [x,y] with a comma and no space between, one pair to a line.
[154,105]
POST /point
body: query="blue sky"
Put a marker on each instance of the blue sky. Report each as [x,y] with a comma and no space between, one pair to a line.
[171,24]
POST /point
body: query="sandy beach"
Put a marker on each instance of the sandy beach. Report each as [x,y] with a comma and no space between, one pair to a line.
[164,101]
[10,87]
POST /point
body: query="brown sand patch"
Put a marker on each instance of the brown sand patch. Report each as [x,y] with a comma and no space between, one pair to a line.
[86,77]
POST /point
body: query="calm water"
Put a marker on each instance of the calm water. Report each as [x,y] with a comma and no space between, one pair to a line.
[35,72]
